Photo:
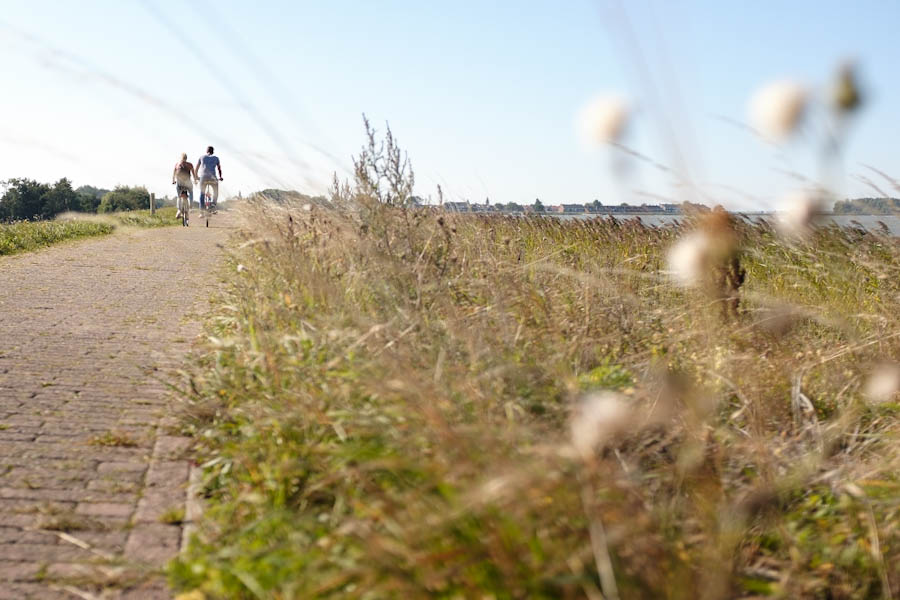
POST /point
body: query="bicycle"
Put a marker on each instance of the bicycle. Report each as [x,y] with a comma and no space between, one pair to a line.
[207,205]
[183,199]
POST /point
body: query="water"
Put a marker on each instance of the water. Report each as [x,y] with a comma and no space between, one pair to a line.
[872,222]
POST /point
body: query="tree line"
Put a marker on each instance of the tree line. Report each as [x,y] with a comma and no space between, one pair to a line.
[868,206]
[26,199]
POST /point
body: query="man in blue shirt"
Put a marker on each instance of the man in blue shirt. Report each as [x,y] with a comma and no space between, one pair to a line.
[206,172]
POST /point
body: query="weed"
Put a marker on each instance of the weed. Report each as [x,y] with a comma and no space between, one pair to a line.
[173,516]
[54,518]
[113,438]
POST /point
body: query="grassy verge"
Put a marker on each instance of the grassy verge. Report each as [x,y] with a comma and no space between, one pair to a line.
[402,404]
[164,217]
[26,236]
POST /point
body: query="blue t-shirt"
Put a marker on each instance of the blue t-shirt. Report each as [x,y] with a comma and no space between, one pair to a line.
[206,166]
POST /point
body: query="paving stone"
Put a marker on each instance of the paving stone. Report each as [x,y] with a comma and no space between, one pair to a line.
[31,591]
[105,509]
[17,570]
[152,543]
[73,378]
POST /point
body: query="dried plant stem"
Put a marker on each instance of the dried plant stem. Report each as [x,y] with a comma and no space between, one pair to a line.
[599,546]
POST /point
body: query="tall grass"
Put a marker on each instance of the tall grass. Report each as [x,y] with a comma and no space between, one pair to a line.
[387,403]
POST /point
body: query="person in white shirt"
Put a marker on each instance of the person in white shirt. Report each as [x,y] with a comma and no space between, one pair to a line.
[206,173]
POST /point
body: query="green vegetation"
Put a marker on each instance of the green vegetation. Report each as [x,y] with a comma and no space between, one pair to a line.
[868,206]
[164,217]
[25,236]
[114,439]
[394,403]
[26,199]
[124,198]
[384,409]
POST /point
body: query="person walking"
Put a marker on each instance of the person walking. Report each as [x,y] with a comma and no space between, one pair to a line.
[183,177]
[206,171]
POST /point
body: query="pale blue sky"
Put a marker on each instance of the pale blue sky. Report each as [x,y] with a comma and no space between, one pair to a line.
[483,95]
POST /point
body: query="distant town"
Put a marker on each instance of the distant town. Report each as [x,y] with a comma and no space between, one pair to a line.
[856,206]
[881,206]
[594,207]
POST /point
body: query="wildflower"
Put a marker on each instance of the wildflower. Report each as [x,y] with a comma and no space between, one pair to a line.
[799,210]
[689,258]
[598,418]
[777,109]
[883,383]
[603,120]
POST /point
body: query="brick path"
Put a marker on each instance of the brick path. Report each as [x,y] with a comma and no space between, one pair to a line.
[90,472]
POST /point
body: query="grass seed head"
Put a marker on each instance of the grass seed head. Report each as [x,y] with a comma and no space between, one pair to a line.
[688,259]
[883,383]
[604,119]
[798,211]
[598,418]
[777,109]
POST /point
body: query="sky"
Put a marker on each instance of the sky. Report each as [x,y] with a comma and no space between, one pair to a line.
[483,95]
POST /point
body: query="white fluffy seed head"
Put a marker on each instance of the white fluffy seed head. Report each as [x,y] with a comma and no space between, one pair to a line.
[598,418]
[777,108]
[241,268]
[603,120]
[883,383]
[798,211]
[689,258]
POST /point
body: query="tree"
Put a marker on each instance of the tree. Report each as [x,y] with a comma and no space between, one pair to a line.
[22,199]
[596,205]
[60,198]
[124,198]
[28,199]
[89,197]
[538,205]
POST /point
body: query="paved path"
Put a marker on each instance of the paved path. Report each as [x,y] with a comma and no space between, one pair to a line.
[92,473]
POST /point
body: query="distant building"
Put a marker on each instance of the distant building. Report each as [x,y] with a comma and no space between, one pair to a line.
[457,206]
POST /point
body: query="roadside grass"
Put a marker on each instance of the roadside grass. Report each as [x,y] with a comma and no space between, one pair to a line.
[387,400]
[164,217]
[25,236]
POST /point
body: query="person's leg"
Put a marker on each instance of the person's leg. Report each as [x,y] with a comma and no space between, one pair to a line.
[215,191]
